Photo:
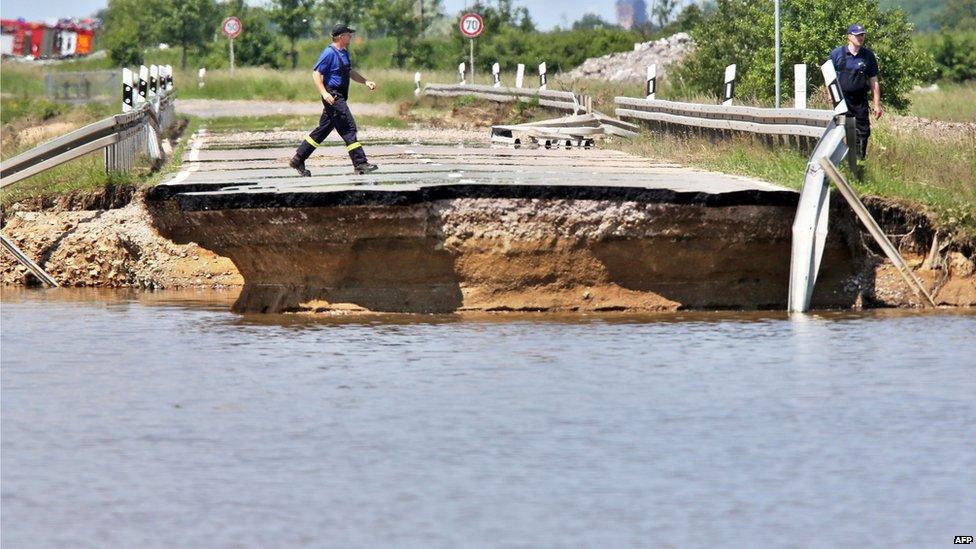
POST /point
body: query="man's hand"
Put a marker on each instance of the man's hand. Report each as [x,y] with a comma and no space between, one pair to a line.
[877,112]
[329,98]
[371,85]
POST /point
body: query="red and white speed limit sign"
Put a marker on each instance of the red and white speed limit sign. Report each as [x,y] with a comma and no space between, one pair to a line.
[231,27]
[471,25]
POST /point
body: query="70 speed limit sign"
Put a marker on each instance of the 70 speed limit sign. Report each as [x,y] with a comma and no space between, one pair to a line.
[471,25]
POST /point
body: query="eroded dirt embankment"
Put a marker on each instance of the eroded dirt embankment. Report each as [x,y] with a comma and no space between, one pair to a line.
[477,254]
[105,239]
[534,254]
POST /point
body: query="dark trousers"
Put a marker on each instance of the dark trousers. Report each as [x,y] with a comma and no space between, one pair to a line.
[336,116]
[858,106]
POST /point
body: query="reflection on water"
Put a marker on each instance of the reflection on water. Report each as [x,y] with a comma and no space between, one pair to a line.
[161,419]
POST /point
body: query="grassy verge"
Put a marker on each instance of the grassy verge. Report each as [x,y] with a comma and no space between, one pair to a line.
[951,102]
[938,173]
[268,84]
[87,173]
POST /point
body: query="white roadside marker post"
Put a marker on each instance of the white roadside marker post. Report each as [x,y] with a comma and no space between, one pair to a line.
[200,75]
[143,88]
[461,73]
[542,76]
[729,88]
[519,75]
[127,91]
[651,81]
[154,87]
[416,81]
[833,87]
[494,75]
[800,86]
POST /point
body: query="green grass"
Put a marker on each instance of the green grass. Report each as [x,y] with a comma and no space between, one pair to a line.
[282,122]
[937,173]
[85,173]
[259,83]
[952,102]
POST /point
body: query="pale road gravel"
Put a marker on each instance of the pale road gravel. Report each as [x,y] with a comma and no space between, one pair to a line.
[215,108]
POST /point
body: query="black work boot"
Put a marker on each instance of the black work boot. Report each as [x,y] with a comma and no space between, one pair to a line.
[299,165]
[366,167]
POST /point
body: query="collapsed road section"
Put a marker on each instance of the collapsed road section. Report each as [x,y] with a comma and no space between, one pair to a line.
[447,228]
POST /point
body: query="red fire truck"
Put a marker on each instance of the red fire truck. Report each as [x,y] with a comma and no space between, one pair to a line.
[67,38]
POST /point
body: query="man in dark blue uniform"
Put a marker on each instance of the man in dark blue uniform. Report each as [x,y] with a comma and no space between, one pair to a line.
[331,75]
[857,73]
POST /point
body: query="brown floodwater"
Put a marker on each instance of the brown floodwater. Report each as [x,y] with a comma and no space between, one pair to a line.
[161,419]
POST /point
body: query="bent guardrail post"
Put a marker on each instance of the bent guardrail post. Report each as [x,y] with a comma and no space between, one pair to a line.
[872,226]
[811,221]
[26,262]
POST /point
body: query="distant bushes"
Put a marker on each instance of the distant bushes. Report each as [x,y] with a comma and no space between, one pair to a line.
[741,31]
[954,53]
[561,50]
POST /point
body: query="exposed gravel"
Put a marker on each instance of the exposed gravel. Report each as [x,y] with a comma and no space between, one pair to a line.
[366,134]
[632,65]
[935,129]
[213,108]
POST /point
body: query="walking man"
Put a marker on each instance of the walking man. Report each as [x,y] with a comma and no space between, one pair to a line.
[857,72]
[331,75]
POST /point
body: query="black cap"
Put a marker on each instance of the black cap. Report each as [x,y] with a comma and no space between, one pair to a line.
[341,29]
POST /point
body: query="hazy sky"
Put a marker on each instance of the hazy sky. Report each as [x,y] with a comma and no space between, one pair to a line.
[543,12]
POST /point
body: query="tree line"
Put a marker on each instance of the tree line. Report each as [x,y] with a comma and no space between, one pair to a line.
[419,31]
[132,26]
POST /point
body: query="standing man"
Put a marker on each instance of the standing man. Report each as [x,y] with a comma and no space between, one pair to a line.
[331,75]
[857,72]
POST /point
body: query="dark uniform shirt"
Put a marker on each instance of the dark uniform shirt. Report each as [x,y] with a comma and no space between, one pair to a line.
[334,66]
[854,72]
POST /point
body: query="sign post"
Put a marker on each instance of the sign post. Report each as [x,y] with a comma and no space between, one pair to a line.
[471,26]
[231,27]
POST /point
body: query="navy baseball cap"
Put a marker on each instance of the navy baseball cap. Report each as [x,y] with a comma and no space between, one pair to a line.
[341,29]
[855,29]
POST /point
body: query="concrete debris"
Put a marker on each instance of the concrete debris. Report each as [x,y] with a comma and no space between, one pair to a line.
[578,130]
[632,65]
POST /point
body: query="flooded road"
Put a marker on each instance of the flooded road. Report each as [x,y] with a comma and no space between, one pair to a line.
[161,420]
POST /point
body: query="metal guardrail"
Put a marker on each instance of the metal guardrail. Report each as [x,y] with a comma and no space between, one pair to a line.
[147,109]
[123,136]
[560,100]
[804,123]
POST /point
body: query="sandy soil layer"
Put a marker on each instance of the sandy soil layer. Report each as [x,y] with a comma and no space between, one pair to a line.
[539,255]
[479,254]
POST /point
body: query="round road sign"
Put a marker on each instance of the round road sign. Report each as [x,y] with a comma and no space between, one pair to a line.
[471,25]
[231,27]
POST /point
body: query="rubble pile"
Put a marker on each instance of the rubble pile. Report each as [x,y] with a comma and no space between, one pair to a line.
[632,65]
